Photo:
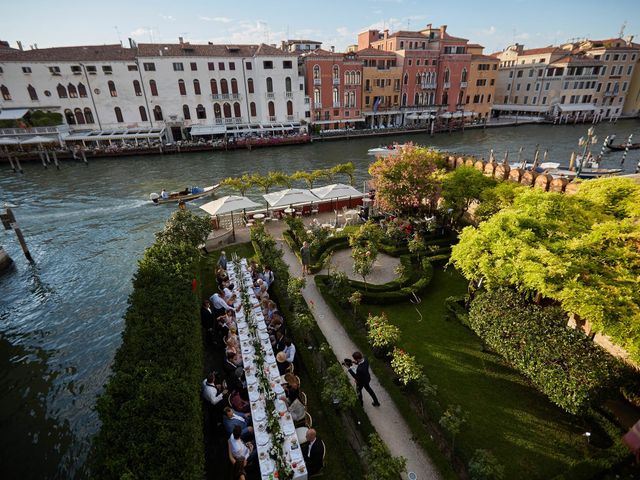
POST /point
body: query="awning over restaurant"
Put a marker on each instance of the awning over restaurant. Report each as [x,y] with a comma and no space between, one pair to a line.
[580,107]
[122,134]
[521,108]
[13,113]
[198,130]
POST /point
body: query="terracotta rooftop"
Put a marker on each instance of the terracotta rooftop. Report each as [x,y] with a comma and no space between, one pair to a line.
[474,45]
[407,33]
[577,59]
[455,39]
[539,51]
[374,52]
[87,53]
[293,42]
[206,50]
[484,57]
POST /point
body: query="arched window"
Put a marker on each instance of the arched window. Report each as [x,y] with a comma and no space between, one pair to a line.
[196,87]
[463,77]
[336,97]
[250,85]
[68,115]
[316,97]
[136,88]
[73,92]
[185,112]
[88,115]
[214,87]
[217,112]
[316,72]
[6,95]
[405,80]
[460,97]
[224,87]
[201,113]
[62,93]
[252,109]
[33,95]
[336,72]
[416,99]
[269,85]
[446,76]
[287,84]
[234,86]
[445,98]
[404,99]
[82,92]
[227,110]
[418,78]
[358,78]
[153,87]
[157,113]
[143,114]
[79,116]
[290,108]
[272,109]
[118,113]
[346,99]
[112,88]
[236,110]
[181,88]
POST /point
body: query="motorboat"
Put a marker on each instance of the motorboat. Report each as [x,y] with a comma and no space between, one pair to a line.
[189,193]
[385,150]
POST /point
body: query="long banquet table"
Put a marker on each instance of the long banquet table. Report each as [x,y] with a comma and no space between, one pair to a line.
[257,395]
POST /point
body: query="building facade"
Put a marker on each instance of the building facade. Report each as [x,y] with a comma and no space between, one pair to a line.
[483,73]
[632,100]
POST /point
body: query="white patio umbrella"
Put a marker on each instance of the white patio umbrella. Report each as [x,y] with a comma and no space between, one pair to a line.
[9,141]
[229,204]
[289,197]
[38,140]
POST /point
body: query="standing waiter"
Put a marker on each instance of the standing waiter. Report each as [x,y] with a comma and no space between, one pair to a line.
[360,372]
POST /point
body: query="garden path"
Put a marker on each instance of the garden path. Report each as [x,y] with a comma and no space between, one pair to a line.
[383,271]
[386,419]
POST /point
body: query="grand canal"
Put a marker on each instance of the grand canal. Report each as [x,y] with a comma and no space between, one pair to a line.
[61,319]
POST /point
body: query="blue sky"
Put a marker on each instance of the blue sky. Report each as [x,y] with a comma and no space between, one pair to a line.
[494,24]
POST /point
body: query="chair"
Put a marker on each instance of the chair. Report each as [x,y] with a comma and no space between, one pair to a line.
[308,421]
[229,401]
[290,368]
[299,383]
[303,398]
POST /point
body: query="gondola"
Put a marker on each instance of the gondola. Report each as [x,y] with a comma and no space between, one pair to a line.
[184,196]
[623,146]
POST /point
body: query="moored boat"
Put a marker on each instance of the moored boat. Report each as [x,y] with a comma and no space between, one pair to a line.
[186,195]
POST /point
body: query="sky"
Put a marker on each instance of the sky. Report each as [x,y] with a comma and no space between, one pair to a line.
[494,24]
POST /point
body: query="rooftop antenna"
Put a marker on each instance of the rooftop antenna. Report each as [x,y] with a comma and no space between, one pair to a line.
[118,33]
[408,23]
[621,33]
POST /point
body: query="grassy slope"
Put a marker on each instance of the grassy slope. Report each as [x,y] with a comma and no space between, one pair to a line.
[507,416]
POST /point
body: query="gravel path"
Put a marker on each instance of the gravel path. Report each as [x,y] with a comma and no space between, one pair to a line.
[384,268]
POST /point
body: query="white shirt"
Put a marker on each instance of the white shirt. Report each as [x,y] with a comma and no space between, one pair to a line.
[218,302]
[227,293]
[210,393]
[238,448]
[291,352]
[310,445]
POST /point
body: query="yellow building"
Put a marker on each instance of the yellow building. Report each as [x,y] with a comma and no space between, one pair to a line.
[632,102]
[482,78]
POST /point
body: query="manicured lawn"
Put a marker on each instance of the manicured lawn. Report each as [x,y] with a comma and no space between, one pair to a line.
[530,436]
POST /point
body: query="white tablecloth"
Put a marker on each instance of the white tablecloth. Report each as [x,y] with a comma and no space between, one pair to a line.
[256,395]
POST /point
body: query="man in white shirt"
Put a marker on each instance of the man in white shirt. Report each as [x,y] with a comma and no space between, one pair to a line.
[239,449]
[289,350]
[227,293]
[219,305]
[210,390]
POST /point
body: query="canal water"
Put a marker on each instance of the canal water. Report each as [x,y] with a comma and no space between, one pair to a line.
[61,318]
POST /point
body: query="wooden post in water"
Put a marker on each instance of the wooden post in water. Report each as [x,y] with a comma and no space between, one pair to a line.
[13,167]
[44,162]
[46,155]
[9,222]
[18,164]
[84,156]
[55,160]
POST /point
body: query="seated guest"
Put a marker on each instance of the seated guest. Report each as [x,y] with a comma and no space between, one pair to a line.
[257,288]
[238,449]
[239,404]
[262,294]
[297,410]
[226,293]
[232,419]
[220,306]
[271,307]
[232,339]
[221,329]
[239,472]
[313,452]
[290,350]
[229,364]
[231,300]
[221,276]
[292,388]
[278,342]
[267,276]
[212,392]
[276,325]
[281,361]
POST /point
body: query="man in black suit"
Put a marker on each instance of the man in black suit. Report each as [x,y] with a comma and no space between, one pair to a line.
[360,372]
[313,452]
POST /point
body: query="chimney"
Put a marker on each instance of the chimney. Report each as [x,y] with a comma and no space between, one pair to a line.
[386,34]
[181,40]
[20,45]
[35,46]
[429,25]
[333,49]
[443,30]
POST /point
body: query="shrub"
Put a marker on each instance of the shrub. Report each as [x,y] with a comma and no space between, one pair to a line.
[485,466]
[185,226]
[337,388]
[382,334]
[381,465]
[405,366]
[561,362]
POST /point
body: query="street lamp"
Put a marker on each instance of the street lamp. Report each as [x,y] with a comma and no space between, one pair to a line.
[586,143]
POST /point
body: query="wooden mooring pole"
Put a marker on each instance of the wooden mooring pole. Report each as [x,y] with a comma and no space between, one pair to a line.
[9,222]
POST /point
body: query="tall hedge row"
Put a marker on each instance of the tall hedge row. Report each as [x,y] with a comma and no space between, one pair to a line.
[150,410]
[560,361]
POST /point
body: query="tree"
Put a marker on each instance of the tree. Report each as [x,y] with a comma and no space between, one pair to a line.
[363,260]
[337,387]
[283,180]
[381,465]
[484,466]
[185,226]
[452,420]
[308,177]
[241,184]
[266,181]
[345,169]
[493,199]
[409,181]
[364,249]
[461,187]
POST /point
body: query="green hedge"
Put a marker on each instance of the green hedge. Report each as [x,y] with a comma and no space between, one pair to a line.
[560,361]
[150,410]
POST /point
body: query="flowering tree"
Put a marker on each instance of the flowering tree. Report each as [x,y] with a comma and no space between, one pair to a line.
[382,334]
[364,249]
[409,181]
[405,366]
[363,260]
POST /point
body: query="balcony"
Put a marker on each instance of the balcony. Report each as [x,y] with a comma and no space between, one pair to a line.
[288,94]
[428,86]
[336,81]
[463,84]
[235,96]
[271,95]
[290,118]
[447,84]
[317,106]
[336,104]
[317,81]
[272,118]
[219,121]
[609,94]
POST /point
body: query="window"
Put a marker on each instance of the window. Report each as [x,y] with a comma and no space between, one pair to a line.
[201,113]
[186,114]
[221,66]
[143,114]
[236,110]
[79,116]
[33,95]
[267,65]
[153,87]
[526,100]
[518,87]
[232,65]
[624,87]
[88,115]
[272,109]
[316,97]
[493,82]
[181,87]
[227,110]
[629,69]
[463,77]
[178,67]
[157,113]
[82,91]
[91,69]
[112,89]
[107,70]
[131,68]
[405,79]
[269,85]
[62,92]
[217,112]
[214,86]
[446,76]
[224,87]
[211,66]
[563,98]
[26,69]
[249,65]
[287,84]
[196,87]
[252,109]
[250,85]
[316,72]
[528,87]
[194,66]
[234,86]
[531,73]
[481,82]
[73,93]
[118,113]
[511,74]
[136,88]
[54,70]
[68,115]
[519,74]
[149,67]
[336,72]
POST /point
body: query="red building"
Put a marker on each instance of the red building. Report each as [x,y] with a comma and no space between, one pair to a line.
[334,86]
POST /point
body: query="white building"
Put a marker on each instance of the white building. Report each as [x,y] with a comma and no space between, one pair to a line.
[216,88]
